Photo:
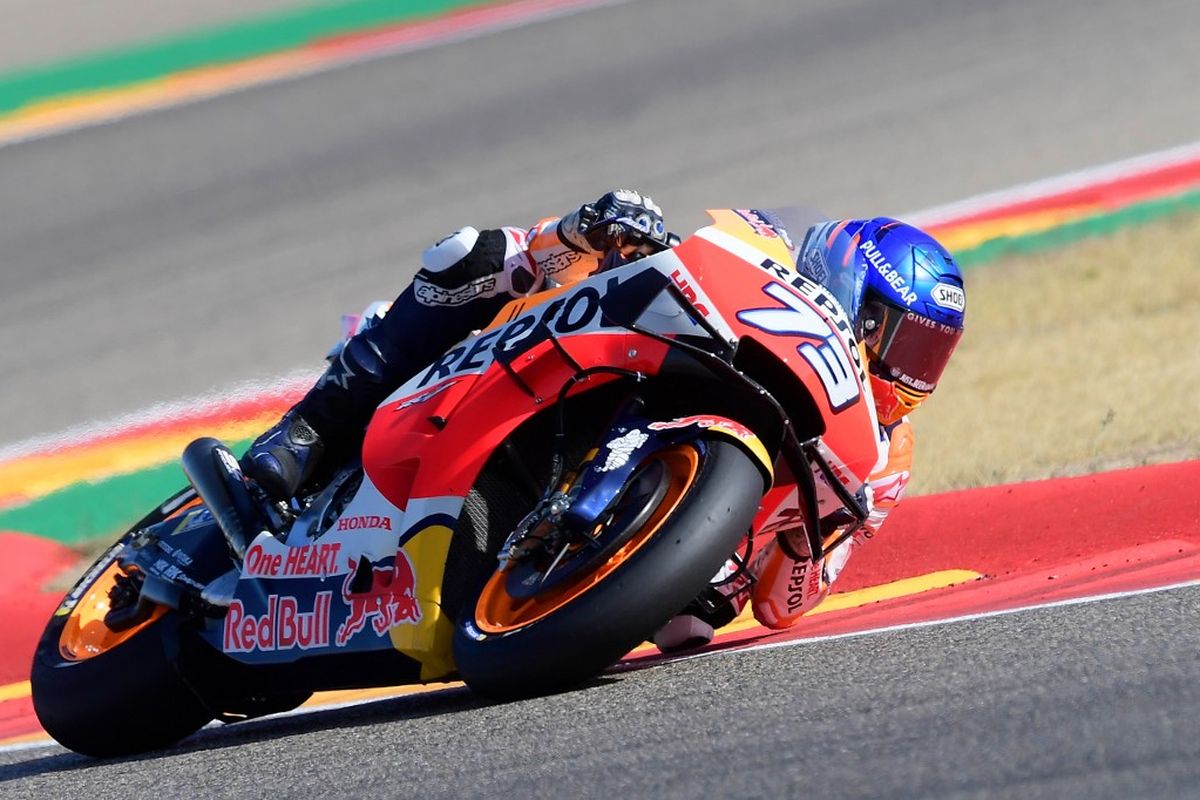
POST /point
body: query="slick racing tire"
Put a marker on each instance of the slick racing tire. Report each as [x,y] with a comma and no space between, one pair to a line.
[106,694]
[507,647]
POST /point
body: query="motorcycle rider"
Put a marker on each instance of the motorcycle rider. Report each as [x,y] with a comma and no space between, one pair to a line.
[901,288]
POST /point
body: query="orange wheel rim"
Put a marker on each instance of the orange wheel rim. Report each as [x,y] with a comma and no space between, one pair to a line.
[85,635]
[499,612]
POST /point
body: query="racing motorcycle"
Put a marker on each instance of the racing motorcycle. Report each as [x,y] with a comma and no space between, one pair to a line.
[537,502]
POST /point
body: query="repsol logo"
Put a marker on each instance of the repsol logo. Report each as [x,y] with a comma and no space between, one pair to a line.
[795,587]
[826,303]
[804,585]
[571,313]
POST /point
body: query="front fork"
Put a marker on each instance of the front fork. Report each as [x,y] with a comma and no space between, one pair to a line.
[575,508]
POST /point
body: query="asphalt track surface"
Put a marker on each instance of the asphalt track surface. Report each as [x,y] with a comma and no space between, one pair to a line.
[180,251]
[175,252]
[1090,701]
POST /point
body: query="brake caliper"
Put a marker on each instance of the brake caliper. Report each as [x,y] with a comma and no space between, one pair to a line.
[125,606]
[540,532]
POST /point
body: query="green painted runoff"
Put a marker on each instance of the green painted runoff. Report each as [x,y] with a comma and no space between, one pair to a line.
[248,38]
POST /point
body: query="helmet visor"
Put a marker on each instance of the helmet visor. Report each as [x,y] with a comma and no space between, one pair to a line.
[908,347]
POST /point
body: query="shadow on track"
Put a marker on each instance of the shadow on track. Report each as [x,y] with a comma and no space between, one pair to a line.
[221,737]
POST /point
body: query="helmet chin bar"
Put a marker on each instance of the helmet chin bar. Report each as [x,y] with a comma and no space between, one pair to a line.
[893,399]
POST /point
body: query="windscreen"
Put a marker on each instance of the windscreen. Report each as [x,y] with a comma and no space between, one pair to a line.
[810,236]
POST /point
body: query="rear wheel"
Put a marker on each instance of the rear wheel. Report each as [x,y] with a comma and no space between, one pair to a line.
[108,693]
[681,514]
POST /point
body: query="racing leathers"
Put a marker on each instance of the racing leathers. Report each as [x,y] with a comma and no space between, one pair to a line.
[464,280]
[787,589]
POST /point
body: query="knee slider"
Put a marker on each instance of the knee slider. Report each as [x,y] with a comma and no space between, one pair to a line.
[363,358]
[359,363]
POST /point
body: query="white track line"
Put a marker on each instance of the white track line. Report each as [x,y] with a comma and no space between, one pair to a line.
[35,745]
[1046,187]
[245,391]
[907,626]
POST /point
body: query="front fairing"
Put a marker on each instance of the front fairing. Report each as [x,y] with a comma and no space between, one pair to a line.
[748,269]
[809,234]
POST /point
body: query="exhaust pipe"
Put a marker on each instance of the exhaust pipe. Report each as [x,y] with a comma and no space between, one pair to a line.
[217,478]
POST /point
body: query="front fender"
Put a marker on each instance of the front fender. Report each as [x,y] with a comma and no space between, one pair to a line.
[634,438]
[735,432]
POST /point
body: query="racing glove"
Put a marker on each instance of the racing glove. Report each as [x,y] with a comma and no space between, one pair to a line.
[621,220]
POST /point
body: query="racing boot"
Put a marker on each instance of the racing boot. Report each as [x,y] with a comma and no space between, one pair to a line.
[330,420]
[285,457]
[718,605]
[330,417]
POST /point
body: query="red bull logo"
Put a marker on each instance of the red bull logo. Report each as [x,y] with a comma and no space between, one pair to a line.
[283,627]
[735,428]
[390,599]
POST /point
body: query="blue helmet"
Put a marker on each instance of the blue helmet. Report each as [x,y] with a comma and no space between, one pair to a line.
[905,295]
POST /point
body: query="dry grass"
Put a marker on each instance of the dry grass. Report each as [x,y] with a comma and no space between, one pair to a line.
[1074,361]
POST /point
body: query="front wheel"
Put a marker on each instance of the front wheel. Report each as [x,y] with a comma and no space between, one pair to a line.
[104,693]
[694,503]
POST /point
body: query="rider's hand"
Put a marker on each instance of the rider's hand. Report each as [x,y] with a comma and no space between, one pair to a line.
[621,220]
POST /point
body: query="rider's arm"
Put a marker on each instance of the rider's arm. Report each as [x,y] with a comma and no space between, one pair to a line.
[787,589]
[558,253]
[889,482]
[473,265]
[505,262]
